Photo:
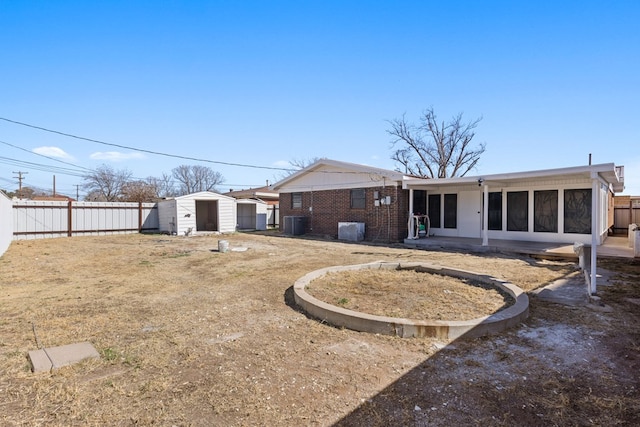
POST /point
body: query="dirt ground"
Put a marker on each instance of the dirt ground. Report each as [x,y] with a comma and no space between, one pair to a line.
[193,337]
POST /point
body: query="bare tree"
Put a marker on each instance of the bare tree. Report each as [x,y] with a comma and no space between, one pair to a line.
[194,178]
[138,191]
[296,165]
[106,184]
[164,186]
[302,163]
[435,149]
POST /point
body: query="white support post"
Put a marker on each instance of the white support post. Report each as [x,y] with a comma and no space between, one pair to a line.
[595,230]
[485,216]
[410,222]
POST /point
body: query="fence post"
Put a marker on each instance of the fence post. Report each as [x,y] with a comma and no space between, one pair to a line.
[139,217]
[69,219]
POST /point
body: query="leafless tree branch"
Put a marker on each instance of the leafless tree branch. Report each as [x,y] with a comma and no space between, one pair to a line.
[435,149]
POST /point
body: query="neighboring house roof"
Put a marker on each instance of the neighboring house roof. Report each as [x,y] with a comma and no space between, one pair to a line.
[608,172]
[326,174]
[56,198]
[262,193]
[250,201]
[201,195]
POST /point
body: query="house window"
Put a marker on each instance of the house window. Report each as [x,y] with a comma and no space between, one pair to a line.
[358,198]
[296,200]
[450,211]
[518,211]
[545,211]
[577,211]
[434,210]
[495,211]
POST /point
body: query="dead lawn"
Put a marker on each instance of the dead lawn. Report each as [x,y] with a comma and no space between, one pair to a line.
[193,337]
[409,294]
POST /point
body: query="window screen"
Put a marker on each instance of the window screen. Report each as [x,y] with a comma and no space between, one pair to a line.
[577,211]
[450,211]
[358,198]
[434,210]
[296,200]
[545,211]
[495,211]
[518,211]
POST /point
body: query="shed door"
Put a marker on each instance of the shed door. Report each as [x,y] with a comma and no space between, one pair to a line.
[246,216]
[207,215]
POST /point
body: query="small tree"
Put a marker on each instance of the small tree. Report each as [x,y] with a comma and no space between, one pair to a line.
[433,149]
[194,178]
[106,184]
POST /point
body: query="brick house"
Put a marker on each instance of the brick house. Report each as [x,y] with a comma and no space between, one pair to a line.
[330,192]
[566,205]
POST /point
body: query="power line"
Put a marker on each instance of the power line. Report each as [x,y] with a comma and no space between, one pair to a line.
[177,156]
[42,155]
[157,153]
[41,167]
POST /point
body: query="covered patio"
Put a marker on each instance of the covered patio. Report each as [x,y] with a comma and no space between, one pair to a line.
[534,212]
[613,246]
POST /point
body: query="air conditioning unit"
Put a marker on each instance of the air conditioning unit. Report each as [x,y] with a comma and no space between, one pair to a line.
[294,225]
[351,231]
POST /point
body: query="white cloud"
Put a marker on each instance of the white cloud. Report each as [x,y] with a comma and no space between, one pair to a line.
[282,164]
[115,156]
[53,152]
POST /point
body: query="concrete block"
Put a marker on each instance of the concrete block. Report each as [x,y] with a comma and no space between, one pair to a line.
[71,353]
[40,361]
[57,357]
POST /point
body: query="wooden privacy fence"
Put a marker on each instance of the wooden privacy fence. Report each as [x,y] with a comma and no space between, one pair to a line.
[626,215]
[35,219]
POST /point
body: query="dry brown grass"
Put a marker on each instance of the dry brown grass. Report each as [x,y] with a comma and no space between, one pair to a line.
[409,294]
[190,337]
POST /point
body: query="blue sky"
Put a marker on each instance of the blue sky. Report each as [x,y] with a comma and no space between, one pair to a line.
[263,83]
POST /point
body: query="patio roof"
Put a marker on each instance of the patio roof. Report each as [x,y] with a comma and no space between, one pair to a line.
[608,172]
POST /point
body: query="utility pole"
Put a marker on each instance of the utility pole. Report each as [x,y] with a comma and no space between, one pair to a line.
[20,178]
[77,192]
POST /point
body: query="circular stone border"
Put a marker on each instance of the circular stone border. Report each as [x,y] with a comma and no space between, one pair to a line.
[405,328]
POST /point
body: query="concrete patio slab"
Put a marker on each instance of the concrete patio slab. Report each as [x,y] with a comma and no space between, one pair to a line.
[50,358]
[571,290]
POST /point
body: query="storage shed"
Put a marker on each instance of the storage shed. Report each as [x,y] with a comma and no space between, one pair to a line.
[252,214]
[205,211]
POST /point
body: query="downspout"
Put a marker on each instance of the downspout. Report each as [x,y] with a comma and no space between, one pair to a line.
[485,215]
[311,212]
[595,232]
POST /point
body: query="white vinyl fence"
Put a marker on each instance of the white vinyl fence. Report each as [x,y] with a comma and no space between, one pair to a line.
[34,219]
[6,222]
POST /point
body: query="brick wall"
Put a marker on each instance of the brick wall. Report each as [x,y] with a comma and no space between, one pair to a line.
[384,223]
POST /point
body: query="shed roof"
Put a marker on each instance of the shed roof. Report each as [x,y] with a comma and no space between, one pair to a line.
[264,192]
[203,195]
